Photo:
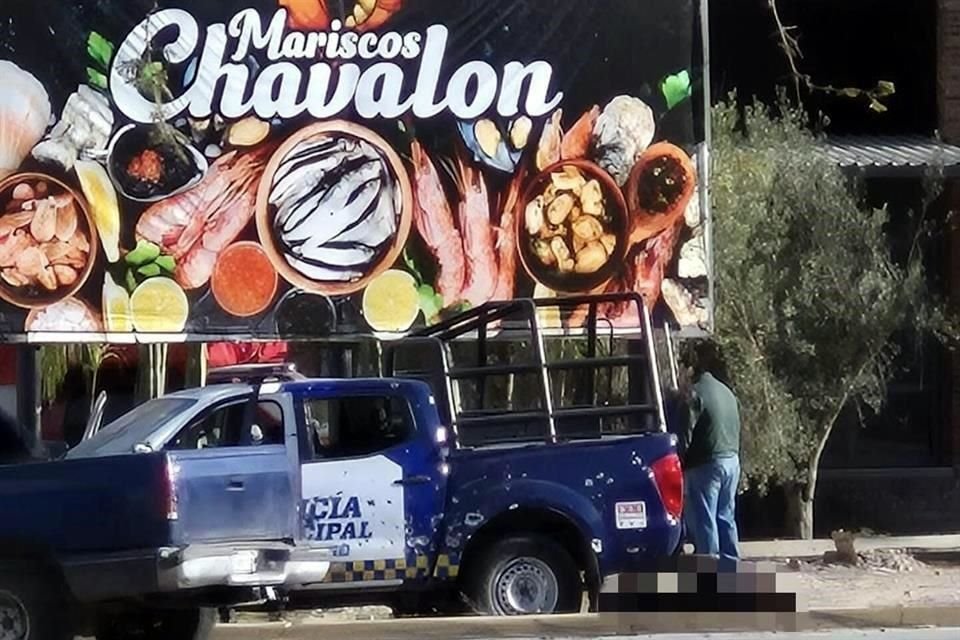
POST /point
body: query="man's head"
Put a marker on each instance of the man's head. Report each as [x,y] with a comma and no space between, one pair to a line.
[704,358]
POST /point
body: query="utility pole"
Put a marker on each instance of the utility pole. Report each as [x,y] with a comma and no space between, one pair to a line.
[28,391]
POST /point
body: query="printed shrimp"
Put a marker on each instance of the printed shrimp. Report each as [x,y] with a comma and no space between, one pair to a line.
[507,243]
[195,226]
[433,219]
[474,210]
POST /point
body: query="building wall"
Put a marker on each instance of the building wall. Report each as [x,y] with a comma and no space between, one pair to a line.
[948,106]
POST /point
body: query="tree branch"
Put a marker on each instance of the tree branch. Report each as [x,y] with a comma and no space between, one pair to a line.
[791,50]
[813,469]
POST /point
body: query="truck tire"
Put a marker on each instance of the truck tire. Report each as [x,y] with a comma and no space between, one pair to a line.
[32,603]
[158,624]
[524,575]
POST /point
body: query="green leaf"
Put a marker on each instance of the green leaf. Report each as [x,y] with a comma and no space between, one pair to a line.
[676,88]
[430,302]
[412,266]
[96,79]
[100,49]
[130,281]
[167,263]
[151,270]
[144,253]
[885,88]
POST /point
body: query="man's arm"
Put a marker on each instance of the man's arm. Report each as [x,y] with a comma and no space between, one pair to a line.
[694,409]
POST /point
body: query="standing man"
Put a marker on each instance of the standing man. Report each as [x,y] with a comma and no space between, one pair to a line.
[711,456]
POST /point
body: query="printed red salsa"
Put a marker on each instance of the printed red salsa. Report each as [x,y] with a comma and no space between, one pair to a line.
[661,184]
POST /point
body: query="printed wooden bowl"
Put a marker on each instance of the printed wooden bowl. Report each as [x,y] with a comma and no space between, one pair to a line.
[645,221]
[37,297]
[574,282]
[265,213]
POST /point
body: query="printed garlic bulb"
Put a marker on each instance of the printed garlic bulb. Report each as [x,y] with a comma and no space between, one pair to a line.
[24,115]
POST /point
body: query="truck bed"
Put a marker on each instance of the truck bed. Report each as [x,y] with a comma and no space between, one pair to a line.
[586,478]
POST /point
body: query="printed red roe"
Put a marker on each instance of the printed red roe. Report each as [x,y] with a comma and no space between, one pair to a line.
[244,281]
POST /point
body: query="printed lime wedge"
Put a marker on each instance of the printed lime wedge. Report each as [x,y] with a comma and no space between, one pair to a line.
[391,303]
[159,305]
[116,307]
[102,198]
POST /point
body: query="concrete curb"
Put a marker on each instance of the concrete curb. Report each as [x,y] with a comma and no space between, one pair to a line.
[768,549]
[591,626]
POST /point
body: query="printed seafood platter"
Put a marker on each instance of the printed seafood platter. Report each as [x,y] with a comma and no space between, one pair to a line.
[308,168]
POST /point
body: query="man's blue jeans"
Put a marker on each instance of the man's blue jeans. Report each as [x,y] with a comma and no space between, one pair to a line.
[710,506]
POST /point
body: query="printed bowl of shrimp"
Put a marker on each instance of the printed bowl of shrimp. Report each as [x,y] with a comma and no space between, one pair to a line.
[47,241]
[573,227]
[334,208]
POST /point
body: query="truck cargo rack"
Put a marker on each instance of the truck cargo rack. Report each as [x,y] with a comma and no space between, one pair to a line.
[426,355]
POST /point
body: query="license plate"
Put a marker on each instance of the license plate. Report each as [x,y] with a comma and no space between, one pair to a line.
[631,515]
[243,562]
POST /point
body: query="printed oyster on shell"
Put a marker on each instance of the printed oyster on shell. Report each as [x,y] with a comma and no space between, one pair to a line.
[624,130]
[24,115]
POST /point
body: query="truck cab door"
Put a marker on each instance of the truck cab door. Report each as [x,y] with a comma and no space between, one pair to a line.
[372,486]
[231,485]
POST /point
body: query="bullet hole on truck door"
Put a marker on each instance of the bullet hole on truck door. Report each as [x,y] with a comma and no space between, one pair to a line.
[358,426]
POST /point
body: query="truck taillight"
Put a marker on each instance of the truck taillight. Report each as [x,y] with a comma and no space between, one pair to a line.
[168,490]
[668,475]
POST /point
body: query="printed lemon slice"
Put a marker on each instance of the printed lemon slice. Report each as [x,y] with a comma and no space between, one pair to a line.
[102,198]
[548,317]
[159,305]
[391,303]
[116,307]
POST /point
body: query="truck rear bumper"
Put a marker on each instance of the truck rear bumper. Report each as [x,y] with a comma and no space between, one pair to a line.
[167,570]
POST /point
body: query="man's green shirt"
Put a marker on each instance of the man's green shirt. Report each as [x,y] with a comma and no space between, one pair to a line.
[714,427]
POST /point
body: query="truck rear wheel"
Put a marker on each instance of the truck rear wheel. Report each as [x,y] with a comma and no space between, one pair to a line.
[158,624]
[31,604]
[524,575]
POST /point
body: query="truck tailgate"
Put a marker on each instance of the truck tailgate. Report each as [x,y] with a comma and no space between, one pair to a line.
[85,505]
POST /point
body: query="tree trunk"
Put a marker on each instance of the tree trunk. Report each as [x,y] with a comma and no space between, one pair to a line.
[799,511]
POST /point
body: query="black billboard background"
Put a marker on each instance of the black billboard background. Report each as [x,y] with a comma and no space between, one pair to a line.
[599,49]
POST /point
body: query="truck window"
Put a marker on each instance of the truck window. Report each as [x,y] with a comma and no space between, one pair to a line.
[224,427]
[353,427]
[122,434]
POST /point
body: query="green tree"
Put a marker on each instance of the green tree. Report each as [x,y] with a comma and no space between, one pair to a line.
[808,295]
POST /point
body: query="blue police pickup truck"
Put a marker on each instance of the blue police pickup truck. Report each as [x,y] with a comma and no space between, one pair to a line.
[372,490]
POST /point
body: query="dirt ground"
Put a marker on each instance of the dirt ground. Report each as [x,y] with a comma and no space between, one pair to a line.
[880,579]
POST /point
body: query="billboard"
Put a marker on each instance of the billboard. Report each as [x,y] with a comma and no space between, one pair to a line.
[237,169]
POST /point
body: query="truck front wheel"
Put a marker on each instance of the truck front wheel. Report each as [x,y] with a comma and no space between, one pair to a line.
[158,624]
[524,575]
[31,604]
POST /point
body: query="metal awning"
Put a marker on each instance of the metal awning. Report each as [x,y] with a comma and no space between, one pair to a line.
[893,156]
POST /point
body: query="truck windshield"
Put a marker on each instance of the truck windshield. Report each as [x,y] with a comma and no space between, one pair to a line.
[132,428]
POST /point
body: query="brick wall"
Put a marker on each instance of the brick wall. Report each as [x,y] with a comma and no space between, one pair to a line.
[948,103]
[948,69]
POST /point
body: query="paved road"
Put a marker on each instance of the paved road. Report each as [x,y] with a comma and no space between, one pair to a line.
[321,632]
[847,634]
[846,625]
